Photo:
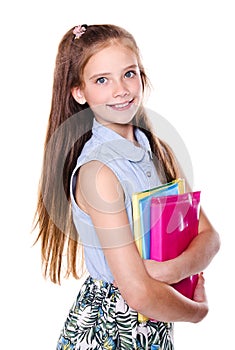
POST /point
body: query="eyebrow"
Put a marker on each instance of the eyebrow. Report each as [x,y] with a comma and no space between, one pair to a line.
[108,73]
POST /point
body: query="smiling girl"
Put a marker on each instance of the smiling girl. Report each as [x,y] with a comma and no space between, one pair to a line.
[99,149]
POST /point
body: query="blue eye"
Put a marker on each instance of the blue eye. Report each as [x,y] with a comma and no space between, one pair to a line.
[130,74]
[101,80]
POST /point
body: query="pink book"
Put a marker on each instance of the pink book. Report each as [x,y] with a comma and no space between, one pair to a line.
[174,223]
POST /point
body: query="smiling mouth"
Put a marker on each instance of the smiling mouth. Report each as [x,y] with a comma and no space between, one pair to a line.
[121,106]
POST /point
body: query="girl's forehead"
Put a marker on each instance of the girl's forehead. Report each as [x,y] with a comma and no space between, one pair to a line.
[114,48]
[115,54]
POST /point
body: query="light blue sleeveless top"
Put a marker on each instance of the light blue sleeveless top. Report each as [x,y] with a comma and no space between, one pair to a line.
[136,172]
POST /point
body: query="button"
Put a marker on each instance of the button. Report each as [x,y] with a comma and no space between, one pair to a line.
[148,173]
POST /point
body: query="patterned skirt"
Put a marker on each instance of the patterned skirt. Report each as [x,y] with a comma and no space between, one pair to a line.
[100,319]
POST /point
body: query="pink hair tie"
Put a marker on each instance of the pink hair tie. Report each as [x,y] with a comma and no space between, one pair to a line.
[79,30]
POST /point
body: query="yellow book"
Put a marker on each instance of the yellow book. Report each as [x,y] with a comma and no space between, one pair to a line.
[136,210]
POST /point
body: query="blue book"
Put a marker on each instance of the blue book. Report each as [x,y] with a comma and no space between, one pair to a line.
[144,207]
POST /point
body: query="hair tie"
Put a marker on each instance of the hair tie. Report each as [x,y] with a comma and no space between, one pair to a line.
[79,30]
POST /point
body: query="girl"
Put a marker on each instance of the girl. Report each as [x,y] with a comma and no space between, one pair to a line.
[99,149]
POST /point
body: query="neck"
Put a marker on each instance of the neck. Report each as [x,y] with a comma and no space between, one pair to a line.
[124,130]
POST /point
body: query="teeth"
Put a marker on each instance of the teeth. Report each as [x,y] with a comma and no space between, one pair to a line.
[121,105]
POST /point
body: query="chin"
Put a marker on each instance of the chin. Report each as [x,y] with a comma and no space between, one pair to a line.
[122,120]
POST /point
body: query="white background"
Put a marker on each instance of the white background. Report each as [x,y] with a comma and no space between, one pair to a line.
[188,52]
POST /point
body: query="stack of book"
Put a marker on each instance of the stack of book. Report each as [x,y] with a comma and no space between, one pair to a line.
[165,220]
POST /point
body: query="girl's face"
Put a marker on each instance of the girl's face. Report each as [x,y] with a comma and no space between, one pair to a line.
[112,85]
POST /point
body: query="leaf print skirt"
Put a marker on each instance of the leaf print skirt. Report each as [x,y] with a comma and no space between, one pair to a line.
[100,319]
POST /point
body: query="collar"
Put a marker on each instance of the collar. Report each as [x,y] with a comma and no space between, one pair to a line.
[120,145]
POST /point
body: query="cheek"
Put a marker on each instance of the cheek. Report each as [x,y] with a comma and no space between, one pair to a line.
[96,97]
[138,87]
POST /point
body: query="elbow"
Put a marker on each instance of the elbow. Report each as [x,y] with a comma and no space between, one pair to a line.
[217,242]
[137,303]
[138,297]
[214,241]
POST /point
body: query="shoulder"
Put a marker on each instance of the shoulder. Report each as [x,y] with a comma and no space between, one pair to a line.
[98,187]
[96,171]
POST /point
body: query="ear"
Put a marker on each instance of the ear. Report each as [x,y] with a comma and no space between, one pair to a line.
[78,95]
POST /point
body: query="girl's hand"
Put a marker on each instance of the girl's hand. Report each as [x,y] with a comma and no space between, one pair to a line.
[200,293]
[200,298]
[163,271]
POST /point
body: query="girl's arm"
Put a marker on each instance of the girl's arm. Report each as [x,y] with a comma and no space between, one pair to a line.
[100,194]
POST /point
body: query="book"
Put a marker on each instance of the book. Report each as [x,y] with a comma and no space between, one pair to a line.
[141,217]
[177,186]
[144,208]
[174,223]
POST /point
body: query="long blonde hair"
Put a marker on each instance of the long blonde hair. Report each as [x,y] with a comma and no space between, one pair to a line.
[69,128]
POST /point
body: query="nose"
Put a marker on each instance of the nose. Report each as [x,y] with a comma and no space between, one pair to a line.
[120,89]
